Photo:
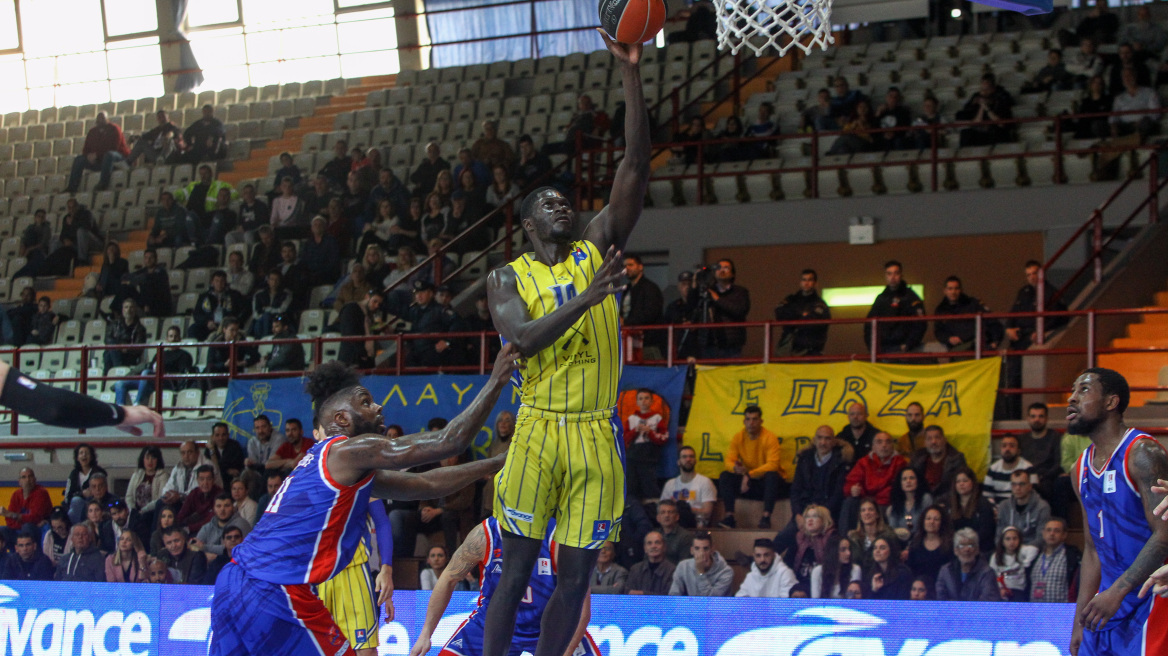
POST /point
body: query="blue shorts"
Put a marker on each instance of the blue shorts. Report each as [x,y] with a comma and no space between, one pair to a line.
[468,641]
[249,616]
[1143,633]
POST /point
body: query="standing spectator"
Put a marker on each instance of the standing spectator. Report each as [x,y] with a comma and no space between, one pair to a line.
[1024,510]
[1053,76]
[145,488]
[752,469]
[1043,448]
[608,577]
[29,506]
[887,577]
[284,357]
[654,574]
[691,488]
[126,563]
[1022,332]
[1053,573]
[807,547]
[819,477]
[77,490]
[997,480]
[897,300]
[491,149]
[337,169]
[677,539]
[126,329]
[931,546]
[646,432]
[85,563]
[769,577]
[872,476]
[27,563]
[969,509]
[104,147]
[425,176]
[224,453]
[1011,562]
[908,503]
[968,578]
[269,303]
[292,451]
[804,305]
[830,579]
[705,574]
[196,510]
[214,306]
[959,334]
[726,303]
[869,528]
[153,286]
[990,103]
[189,564]
[857,436]
[641,305]
[533,164]
[1135,97]
[938,462]
[156,144]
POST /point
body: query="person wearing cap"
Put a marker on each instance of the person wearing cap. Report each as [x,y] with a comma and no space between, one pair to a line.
[769,576]
[284,357]
[427,317]
[680,311]
[112,528]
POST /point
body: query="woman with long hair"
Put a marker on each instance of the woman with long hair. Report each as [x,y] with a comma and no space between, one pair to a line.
[869,528]
[830,578]
[811,543]
[377,230]
[967,509]
[886,576]
[145,488]
[127,563]
[77,485]
[932,544]
[434,220]
[907,503]
[1011,563]
[444,186]
[857,132]
[503,190]
[924,588]
[58,540]
[165,521]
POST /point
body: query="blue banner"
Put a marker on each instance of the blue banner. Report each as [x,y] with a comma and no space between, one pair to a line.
[412,401]
[89,619]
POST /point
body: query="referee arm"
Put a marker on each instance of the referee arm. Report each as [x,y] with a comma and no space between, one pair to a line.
[465,559]
[58,407]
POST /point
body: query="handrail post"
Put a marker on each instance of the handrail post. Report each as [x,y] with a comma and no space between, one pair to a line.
[701,171]
[669,346]
[159,370]
[1040,306]
[317,355]
[483,352]
[874,340]
[509,225]
[766,343]
[578,160]
[1058,150]
[815,164]
[675,100]
[400,355]
[934,137]
[1154,182]
[735,95]
[1096,245]
[1090,338]
[977,345]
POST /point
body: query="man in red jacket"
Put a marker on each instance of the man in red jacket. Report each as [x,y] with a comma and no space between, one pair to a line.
[29,505]
[104,146]
[872,476]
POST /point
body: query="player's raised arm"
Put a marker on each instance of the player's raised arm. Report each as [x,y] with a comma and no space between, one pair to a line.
[613,225]
[1148,462]
[58,407]
[441,482]
[465,559]
[530,336]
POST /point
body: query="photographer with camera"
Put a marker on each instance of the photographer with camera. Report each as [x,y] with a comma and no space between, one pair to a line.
[716,299]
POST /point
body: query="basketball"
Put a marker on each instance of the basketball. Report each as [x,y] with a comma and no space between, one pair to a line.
[632,21]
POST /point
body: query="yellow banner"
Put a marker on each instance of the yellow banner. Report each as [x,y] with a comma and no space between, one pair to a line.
[798,398]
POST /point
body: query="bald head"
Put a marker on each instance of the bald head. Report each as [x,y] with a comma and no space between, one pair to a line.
[824,440]
[857,416]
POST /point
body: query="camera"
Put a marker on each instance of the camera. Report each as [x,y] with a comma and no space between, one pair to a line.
[704,278]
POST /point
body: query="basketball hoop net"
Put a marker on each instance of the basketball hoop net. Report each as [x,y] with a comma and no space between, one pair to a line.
[763,25]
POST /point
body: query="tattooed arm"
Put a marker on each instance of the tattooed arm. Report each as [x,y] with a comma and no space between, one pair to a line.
[464,560]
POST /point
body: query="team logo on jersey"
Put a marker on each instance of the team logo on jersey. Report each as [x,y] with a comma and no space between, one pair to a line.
[360,635]
[1109,482]
[545,566]
[600,530]
[498,569]
[579,255]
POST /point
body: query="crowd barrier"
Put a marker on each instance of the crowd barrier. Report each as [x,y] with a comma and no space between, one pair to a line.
[92,619]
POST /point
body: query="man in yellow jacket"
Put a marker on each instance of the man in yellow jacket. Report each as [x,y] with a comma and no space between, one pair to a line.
[752,469]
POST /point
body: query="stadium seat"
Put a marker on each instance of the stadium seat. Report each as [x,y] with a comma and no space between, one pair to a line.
[189,398]
[94,332]
[30,358]
[311,322]
[69,333]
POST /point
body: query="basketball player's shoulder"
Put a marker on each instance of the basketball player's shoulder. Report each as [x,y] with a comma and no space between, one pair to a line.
[1146,458]
[507,277]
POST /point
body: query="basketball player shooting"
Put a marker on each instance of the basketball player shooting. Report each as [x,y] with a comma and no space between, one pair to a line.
[1125,541]
[558,307]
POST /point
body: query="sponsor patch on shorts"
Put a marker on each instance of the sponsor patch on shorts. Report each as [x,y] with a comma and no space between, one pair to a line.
[518,516]
[600,529]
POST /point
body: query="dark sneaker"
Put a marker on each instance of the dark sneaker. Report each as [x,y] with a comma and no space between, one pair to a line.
[727,522]
[765,522]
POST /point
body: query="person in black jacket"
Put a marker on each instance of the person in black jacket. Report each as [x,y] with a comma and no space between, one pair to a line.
[1022,332]
[803,305]
[175,360]
[958,335]
[284,357]
[28,563]
[153,286]
[641,305]
[214,305]
[337,169]
[219,357]
[727,303]
[819,475]
[226,453]
[113,267]
[897,300]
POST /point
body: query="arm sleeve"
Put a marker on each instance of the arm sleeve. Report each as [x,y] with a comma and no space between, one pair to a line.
[854,477]
[383,531]
[55,406]
[720,586]
[771,459]
[732,453]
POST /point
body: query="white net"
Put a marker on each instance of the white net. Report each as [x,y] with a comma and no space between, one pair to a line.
[773,25]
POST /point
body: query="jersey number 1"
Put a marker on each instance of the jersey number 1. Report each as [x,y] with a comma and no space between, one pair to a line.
[274,504]
[528,597]
[1100,524]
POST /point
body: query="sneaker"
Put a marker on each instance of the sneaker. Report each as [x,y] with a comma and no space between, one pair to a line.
[727,522]
[765,522]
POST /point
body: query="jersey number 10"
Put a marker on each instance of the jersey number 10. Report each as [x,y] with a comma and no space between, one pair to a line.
[564,293]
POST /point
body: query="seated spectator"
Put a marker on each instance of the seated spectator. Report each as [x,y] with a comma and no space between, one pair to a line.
[700,24]
[355,289]
[210,537]
[214,306]
[997,480]
[170,224]
[830,577]
[203,140]
[734,150]
[288,169]
[156,144]
[433,222]
[959,335]
[908,502]
[59,540]
[158,572]
[1095,100]
[1024,509]
[200,502]
[841,106]
[769,577]
[284,357]
[533,164]
[1134,97]
[694,131]
[175,361]
[165,521]
[990,103]
[1084,63]
[1053,573]
[126,329]
[220,358]
[95,516]
[752,469]
[183,477]
[105,146]
[20,317]
[1143,34]
[289,213]
[677,539]
[85,563]
[297,277]
[98,492]
[212,227]
[145,487]
[336,170]
[932,544]
[886,576]
[253,213]
[445,514]
[238,277]
[691,488]
[29,506]
[294,448]
[855,439]
[77,484]
[337,225]
[1127,59]
[938,461]
[126,562]
[78,239]
[816,114]
[34,245]
[444,184]
[502,191]
[819,477]
[930,115]
[426,317]
[275,480]
[969,509]
[113,268]
[390,188]
[705,574]
[232,537]
[1010,563]
[113,528]
[1052,77]
[44,323]
[266,255]
[269,303]
[872,477]
[492,150]
[581,127]
[646,432]
[189,564]
[762,126]
[153,286]
[245,506]
[923,588]
[316,199]
[200,197]
[608,577]
[893,114]
[1099,23]
[436,560]
[809,546]
[870,527]
[366,319]
[224,453]
[377,230]
[27,562]
[968,578]
[426,174]
[654,574]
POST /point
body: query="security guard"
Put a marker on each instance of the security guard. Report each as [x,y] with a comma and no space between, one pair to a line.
[803,305]
[427,316]
[897,300]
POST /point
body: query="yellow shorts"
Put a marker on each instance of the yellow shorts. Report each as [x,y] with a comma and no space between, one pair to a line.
[569,466]
[349,597]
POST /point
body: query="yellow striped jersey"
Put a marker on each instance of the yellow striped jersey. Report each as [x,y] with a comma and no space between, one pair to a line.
[581,370]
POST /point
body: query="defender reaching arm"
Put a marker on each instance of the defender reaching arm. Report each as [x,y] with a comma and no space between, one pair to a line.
[468,555]
[436,483]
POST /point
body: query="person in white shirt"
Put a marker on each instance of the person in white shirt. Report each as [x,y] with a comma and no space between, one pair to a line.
[691,487]
[182,477]
[1134,97]
[830,580]
[646,433]
[436,559]
[769,576]
[996,485]
[1085,63]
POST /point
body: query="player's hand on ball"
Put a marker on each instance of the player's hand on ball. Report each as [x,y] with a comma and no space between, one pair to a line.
[1157,583]
[625,53]
[1099,610]
[507,362]
[609,279]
